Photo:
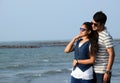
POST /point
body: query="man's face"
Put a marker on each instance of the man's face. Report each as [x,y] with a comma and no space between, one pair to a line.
[95,25]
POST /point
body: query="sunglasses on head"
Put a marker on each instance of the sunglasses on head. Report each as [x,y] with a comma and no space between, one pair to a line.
[82,29]
[95,24]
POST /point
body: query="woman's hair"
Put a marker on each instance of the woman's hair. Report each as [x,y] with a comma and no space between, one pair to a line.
[93,37]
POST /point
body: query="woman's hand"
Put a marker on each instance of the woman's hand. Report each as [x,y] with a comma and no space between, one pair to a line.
[77,37]
[75,62]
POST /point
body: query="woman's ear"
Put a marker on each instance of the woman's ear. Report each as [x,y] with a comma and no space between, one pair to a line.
[88,32]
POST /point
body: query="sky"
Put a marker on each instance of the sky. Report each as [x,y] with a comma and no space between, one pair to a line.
[43,20]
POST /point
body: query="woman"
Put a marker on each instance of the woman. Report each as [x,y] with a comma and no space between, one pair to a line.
[85,47]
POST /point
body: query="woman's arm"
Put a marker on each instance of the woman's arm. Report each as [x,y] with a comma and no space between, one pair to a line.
[91,60]
[70,46]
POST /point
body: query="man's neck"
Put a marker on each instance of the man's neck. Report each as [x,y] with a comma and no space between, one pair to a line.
[101,28]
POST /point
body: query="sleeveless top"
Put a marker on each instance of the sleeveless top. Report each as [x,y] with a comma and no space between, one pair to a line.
[84,72]
[82,53]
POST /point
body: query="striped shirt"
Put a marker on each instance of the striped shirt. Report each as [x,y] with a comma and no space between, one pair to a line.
[105,41]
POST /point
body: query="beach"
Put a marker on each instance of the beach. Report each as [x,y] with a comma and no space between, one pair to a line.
[45,63]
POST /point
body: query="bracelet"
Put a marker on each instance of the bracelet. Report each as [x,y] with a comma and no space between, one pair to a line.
[107,72]
[76,61]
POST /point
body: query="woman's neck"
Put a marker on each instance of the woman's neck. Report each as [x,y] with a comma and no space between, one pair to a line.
[85,38]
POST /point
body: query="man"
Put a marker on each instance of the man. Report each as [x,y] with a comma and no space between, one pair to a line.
[105,55]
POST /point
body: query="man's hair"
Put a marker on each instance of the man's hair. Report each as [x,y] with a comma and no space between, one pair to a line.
[100,17]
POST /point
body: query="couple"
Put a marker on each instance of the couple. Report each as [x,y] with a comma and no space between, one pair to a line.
[93,52]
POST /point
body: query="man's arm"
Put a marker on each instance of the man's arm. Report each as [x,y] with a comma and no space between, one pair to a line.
[111,54]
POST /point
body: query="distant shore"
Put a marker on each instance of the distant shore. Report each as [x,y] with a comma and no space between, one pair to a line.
[33,44]
[38,44]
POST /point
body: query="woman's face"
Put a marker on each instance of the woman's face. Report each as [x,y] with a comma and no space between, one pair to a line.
[83,30]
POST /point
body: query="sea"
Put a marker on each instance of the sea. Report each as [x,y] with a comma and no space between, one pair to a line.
[42,62]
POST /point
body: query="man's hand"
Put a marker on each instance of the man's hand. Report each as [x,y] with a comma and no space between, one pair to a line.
[106,77]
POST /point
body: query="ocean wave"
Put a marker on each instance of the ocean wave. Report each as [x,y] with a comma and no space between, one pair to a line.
[18,66]
[38,73]
[53,72]
[29,74]
[45,60]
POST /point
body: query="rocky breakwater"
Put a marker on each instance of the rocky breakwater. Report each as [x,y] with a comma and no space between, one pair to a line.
[32,44]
